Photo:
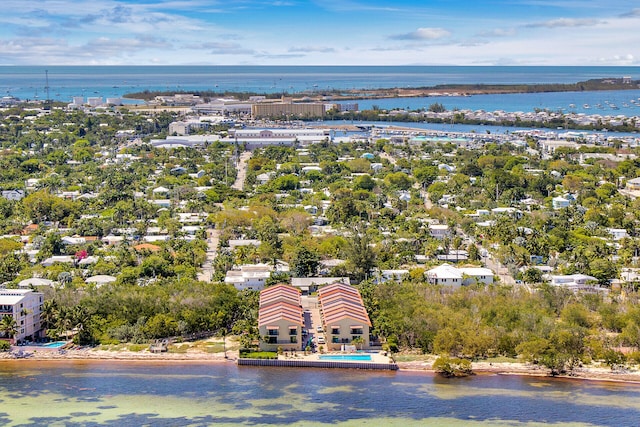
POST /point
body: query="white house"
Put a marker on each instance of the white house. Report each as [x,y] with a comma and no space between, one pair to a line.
[312,284]
[633,184]
[560,202]
[439,231]
[24,306]
[446,275]
[13,194]
[476,274]
[575,282]
[617,233]
[249,276]
[449,275]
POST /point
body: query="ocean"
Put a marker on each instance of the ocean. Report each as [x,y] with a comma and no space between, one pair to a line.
[64,82]
[111,393]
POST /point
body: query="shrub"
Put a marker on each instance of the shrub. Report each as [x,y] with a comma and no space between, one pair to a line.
[452,366]
[4,345]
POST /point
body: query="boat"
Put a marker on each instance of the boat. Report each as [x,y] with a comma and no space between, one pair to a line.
[572,105]
[614,107]
[586,106]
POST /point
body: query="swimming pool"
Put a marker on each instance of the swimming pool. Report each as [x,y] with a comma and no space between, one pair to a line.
[56,344]
[355,357]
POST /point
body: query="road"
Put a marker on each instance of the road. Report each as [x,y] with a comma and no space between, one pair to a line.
[242,170]
[213,238]
[312,317]
[499,269]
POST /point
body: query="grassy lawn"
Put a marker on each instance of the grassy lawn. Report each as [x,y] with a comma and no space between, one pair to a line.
[501,359]
[260,355]
[413,357]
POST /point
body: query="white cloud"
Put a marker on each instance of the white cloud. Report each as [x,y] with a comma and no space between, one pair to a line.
[423,34]
[306,49]
[565,22]
[224,48]
[498,32]
[627,59]
[634,13]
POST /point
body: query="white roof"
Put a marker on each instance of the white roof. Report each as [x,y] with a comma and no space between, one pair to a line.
[476,271]
[35,281]
[445,271]
[12,296]
[100,279]
[438,226]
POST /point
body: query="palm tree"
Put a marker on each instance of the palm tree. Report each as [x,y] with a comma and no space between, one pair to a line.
[49,315]
[358,341]
[8,326]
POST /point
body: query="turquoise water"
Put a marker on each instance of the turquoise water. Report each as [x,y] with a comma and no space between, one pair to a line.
[56,344]
[112,393]
[28,82]
[566,102]
[345,357]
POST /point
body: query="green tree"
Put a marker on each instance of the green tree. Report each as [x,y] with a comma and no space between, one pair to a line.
[8,326]
[360,256]
[305,262]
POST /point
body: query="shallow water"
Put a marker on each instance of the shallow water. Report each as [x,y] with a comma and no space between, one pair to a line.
[73,393]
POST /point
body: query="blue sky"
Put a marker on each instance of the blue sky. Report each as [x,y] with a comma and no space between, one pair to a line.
[329,32]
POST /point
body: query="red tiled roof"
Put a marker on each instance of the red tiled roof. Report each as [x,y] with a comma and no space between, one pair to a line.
[280,302]
[339,301]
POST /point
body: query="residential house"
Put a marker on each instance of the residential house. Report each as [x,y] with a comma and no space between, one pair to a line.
[575,282]
[343,316]
[633,184]
[439,231]
[311,284]
[249,276]
[280,318]
[617,233]
[24,305]
[560,202]
[448,275]
[13,194]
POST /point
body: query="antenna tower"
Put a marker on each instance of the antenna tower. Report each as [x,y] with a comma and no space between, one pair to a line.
[46,87]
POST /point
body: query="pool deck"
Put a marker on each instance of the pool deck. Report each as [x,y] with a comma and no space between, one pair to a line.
[25,351]
[298,360]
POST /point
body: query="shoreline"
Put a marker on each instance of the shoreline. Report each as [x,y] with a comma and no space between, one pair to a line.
[88,355]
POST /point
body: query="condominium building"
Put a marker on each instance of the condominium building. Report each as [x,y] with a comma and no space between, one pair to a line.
[25,306]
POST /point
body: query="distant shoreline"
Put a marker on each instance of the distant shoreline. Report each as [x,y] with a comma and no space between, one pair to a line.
[593,85]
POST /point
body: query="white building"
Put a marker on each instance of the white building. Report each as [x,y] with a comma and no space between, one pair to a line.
[13,194]
[439,231]
[560,203]
[449,275]
[24,306]
[617,233]
[311,284]
[249,277]
[575,282]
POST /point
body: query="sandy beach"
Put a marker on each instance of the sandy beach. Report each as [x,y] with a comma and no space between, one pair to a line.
[591,372]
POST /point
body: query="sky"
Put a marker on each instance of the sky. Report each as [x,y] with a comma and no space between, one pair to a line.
[327,32]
